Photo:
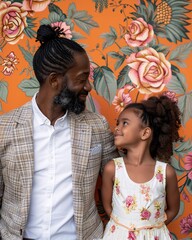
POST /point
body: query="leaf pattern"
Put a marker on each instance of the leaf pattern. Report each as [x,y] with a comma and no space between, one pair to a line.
[104,24]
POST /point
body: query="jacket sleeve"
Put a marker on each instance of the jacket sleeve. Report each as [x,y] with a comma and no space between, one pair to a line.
[1,174]
[109,149]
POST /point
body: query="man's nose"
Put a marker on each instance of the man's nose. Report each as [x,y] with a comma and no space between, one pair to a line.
[87,86]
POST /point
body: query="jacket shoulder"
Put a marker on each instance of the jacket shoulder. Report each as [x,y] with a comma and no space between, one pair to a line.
[95,118]
[16,114]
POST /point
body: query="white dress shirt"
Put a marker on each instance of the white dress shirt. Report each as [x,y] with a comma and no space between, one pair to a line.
[51,215]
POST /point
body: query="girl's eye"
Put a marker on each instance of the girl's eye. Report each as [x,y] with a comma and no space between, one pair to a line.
[125,123]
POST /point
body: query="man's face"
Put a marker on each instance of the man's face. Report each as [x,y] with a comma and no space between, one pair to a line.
[70,100]
[75,86]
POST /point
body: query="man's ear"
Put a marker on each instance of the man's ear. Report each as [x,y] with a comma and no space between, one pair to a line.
[146,133]
[53,80]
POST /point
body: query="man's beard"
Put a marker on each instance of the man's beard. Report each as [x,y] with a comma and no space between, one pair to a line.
[69,100]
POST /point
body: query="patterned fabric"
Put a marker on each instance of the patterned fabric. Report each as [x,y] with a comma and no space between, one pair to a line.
[92,146]
[138,209]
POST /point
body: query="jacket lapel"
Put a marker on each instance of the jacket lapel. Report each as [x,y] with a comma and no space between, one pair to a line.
[23,141]
[81,141]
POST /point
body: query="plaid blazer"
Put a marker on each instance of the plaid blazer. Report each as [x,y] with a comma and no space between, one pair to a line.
[92,146]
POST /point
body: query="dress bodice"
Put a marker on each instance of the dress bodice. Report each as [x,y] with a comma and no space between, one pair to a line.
[139,204]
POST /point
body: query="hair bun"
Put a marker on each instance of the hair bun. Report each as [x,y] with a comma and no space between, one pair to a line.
[45,33]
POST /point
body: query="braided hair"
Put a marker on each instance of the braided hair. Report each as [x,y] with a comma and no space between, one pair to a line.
[55,54]
[162,115]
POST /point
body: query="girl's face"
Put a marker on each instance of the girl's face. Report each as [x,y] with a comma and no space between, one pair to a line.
[129,129]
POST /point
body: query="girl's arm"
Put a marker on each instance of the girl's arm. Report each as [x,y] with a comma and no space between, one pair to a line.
[172,194]
[107,186]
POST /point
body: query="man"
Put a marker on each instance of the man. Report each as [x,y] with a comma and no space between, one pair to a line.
[52,149]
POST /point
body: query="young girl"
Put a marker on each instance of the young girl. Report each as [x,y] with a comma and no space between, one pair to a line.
[139,190]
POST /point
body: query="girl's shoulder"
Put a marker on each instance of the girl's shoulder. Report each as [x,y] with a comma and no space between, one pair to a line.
[113,164]
[119,162]
[161,165]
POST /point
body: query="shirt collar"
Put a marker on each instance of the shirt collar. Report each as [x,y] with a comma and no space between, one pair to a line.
[41,119]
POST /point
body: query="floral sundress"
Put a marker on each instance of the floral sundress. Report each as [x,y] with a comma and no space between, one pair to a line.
[138,208]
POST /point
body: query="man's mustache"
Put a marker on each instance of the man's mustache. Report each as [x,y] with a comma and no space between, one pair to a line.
[84,92]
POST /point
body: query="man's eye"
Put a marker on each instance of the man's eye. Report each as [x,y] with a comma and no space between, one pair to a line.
[82,80]
[125,123]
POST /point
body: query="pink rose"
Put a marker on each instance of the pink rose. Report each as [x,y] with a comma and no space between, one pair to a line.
[188,164]
[36,6]
[123,98]
[139,33]
[145,214]
[157,214]
[129,201]
[159,177]
[131,236]
[9,64]
[65,29]
[91,74]
[113,228]
[12,21]
[117,189]
[150,71]
[186,224]
[170,236]
[185,196]
[171,95]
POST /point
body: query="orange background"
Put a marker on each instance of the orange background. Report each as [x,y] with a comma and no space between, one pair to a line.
[16,97]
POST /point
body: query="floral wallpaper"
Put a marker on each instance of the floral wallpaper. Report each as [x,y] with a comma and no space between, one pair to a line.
[136,49]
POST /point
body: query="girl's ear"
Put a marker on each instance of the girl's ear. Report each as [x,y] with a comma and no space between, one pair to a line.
[146,133]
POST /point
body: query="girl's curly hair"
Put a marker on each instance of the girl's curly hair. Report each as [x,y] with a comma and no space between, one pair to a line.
[163,116]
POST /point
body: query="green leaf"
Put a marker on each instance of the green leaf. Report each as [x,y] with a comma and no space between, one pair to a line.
[81,18]
[123,77]
[175,164]
[71,10]
[105,83]
[185,106]
[45,21]
[76,36]
[54,17]
[110,37]
[90,105]
[29,86]
[182,148]
[177,83]
[100,5]
[3,90]
[53,8]
[173,236]
[119,57]
[27,55]
[180,53]
[161,48]
[69,23]
[181,210]
[119,62]
[29,29]
[126,50]
[84,21]
[189,185]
